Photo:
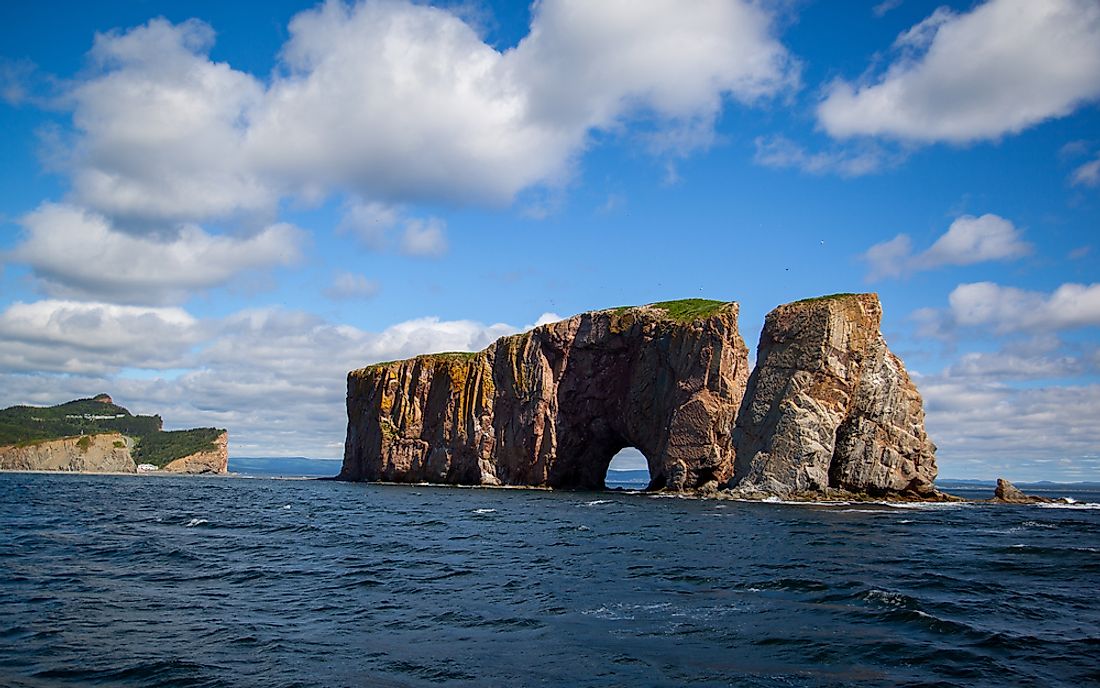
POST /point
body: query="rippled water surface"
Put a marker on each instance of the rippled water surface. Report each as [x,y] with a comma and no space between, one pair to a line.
[165,581]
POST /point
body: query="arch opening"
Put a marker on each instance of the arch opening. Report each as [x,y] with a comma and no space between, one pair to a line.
[628,470]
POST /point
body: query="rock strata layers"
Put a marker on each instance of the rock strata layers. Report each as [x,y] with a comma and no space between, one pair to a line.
[828,411]
[830,408]
[215,461]
[107,452]
[551,407]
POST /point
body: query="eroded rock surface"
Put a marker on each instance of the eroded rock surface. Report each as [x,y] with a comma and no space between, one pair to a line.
[214,461]
[551,407]
[830,408]
[1010,494]
[106,452]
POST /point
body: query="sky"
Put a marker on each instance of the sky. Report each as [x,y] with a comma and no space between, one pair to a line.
[213,211]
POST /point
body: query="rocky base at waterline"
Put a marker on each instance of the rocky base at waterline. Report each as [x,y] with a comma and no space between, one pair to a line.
[829,411]
[1007,493]
[97,436]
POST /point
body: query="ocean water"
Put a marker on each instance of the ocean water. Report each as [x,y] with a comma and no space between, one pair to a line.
[174,581]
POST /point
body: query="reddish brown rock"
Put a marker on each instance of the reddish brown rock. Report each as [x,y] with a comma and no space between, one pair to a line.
[551,407]
[830,408]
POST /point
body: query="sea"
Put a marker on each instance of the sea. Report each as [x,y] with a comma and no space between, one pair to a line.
[267,581]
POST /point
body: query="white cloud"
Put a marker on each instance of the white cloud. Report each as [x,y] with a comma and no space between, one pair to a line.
[424,237]
[161,129]
[1008,309]
[968,240]
[881,9]
[1087,174]
[998,69]
[93,338]
[76,252]
[780,152]
[986,430]
[276,378]
[347,285]
[400,102]
[369,222]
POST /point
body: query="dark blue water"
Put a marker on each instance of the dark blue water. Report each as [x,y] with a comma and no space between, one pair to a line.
[166,581]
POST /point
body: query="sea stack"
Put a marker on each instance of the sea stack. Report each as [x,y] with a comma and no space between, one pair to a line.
[551,407]
[829,408]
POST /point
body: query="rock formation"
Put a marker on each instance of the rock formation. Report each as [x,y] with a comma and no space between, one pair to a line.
[107,452]
[829,407]
[215,460]
[551,407]
[1010,494]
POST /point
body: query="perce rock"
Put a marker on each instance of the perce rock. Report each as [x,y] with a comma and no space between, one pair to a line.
[828,410]
[551,407]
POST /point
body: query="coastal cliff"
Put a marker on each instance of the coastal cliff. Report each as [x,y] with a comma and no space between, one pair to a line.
[830,408]
[107,452]
[214,460]
[97,435]
[551,407]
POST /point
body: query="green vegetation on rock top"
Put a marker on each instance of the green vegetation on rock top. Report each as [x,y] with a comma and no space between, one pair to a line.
[827,297]
[441,356]
[28,425]
[683,310]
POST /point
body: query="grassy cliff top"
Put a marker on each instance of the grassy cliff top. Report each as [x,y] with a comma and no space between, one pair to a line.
[827,297]
[683,310]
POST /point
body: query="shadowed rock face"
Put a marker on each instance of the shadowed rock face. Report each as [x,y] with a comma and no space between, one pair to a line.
[551,407]
[830,407]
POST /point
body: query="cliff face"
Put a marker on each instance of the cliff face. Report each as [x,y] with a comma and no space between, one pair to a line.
[107,452]
[830,407]
[213,461]
[551,407]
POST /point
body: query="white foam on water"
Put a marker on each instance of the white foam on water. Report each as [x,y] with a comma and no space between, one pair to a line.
[196,522]
[286,506]
[927,506]
[485,511]
[597,502]
[1070,504]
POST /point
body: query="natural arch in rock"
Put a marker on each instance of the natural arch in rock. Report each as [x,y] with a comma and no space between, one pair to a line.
[552,406]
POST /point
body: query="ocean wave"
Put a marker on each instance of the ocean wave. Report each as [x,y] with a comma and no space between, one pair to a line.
[196,522]
[598,502]
[1070,505]
[485,511]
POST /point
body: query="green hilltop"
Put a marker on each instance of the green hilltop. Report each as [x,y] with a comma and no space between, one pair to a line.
[27,425]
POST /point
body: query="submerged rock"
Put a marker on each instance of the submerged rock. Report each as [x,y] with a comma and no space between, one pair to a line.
[830,408]
[552,407]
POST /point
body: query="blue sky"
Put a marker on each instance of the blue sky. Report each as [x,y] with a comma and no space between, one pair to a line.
[214,210]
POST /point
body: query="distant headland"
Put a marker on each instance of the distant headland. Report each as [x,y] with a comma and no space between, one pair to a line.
[829,410]
[96,435]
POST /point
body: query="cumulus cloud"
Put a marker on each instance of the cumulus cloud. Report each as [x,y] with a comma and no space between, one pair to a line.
[424,237]
[1008,309]
[162,129]
[348,285]
[400,102]
[1002,67]
[77,252]
[780,152]
[274,377]
[1087,174]
[968,240]
[989,429]
[94,338]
